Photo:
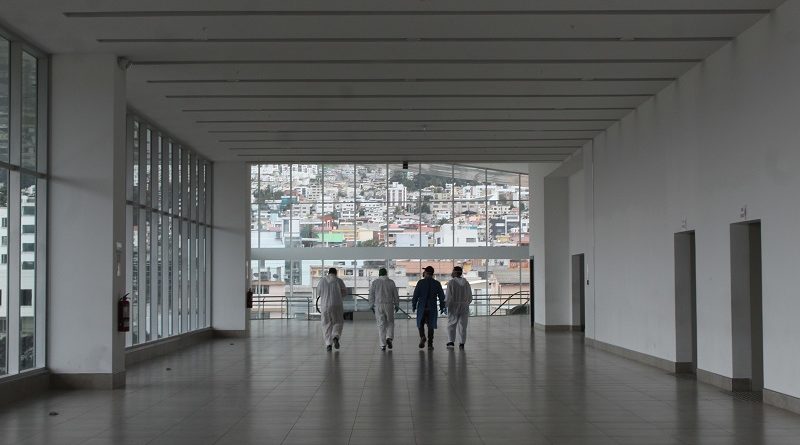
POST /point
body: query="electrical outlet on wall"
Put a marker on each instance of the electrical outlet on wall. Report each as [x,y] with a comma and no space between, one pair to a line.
[743,212]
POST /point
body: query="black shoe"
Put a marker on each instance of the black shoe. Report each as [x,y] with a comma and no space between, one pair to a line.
[389,343]
[336,342]
[461,346]
[422,342]
[450,345]
[430,345]
[328,348]
[383,348]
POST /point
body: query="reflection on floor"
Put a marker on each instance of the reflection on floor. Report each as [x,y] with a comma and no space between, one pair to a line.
[510,385]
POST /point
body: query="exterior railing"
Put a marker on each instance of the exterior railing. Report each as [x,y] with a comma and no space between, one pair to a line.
[306,307]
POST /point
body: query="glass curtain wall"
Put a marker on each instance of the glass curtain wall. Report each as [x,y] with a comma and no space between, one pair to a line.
[23,182]
[346,206]
[168,211]
[425,205]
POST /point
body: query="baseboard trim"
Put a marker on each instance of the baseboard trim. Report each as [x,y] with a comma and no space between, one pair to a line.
[557,327]
[164,346]
[24,385]
[630,354]
[783,401]
[723,382]
[223,333]
[87,380]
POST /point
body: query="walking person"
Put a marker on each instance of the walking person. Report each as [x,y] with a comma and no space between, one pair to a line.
[330,290]
[384,301]
[457,301]
[426,294]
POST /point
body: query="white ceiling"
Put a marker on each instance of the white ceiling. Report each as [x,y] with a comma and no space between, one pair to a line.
[465,81]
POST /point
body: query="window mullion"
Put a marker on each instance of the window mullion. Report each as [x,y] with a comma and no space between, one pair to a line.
[14,254]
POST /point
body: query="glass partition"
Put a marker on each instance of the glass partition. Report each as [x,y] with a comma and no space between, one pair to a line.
[168,243]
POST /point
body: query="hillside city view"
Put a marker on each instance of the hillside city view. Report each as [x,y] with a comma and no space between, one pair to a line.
[299,206]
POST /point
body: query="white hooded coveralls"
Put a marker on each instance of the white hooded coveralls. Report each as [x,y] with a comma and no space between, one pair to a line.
[331,289]
[384,297]
[457,300]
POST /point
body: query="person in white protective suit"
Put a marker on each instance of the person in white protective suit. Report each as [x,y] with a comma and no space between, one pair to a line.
[457,301]
[384,301]
[330,290]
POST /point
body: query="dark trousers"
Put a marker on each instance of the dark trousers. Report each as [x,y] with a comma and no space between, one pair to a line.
[425,317]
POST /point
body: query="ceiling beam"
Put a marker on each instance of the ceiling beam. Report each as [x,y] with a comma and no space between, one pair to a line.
[409,13]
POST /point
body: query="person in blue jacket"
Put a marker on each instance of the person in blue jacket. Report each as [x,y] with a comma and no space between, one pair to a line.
[426,293]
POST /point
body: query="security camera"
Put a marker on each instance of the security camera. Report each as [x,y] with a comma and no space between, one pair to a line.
[124,63]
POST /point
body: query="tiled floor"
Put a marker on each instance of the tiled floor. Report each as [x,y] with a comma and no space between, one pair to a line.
[510,386]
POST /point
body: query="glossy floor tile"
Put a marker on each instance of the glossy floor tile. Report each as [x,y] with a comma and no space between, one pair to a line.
[510,386]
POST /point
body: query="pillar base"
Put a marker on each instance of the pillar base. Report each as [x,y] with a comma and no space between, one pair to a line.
[723,382]
[226,333]
[557,327]
[88,381]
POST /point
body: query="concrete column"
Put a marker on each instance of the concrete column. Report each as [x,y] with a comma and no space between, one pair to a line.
[558,291]
[230,248]
[588,186]
[87,223]
[537,174]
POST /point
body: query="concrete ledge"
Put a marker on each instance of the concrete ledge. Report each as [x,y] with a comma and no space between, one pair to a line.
[88,381]
[153,349]
[26,384]
[723,382]
[630,354]
[781,400]
[231,334]
[557,327]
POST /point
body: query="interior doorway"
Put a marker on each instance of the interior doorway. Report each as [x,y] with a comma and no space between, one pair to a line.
[578,292]
[685,302]
[746,307]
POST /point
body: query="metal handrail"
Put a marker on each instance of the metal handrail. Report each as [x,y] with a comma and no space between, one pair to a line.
[361,296]
[265,299]
[522,292]
[487,297]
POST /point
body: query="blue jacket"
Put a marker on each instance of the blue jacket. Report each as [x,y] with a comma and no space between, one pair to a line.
[425,295]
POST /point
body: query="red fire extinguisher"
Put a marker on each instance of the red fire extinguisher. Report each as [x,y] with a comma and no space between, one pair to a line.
[249,298]
[124,314]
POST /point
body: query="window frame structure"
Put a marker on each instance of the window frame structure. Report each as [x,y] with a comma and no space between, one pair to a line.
[273,262]
[168,220]
[519,202]
[24,341]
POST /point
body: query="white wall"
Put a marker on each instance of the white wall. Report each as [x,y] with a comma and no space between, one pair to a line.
[723,136]
[577,214]
[577,236]
[87,208]
[230,251]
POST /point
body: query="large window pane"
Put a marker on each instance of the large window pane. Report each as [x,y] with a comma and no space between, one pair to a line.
[4,297]
[27,286]
[30,110]
[4,99]
[135,277]
[403,228]
[508,282]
